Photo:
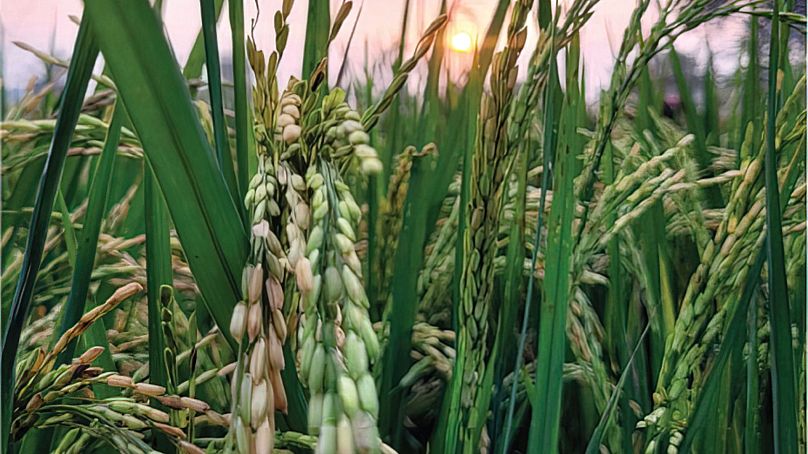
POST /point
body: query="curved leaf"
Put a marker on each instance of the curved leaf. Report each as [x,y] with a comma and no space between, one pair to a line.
[206,219]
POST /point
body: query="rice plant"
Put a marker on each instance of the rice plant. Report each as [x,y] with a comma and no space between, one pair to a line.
[474,264]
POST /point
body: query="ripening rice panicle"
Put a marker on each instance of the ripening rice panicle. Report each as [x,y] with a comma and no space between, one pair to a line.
[46,397]
[305,226]
[287,235]
[392,214]
[725,260]
[486,186]
[337,338]
[275,210]
[259,321]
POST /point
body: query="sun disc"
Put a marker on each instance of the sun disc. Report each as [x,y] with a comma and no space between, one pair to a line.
[461,42]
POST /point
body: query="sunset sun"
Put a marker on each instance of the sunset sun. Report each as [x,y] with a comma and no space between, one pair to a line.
[461,42]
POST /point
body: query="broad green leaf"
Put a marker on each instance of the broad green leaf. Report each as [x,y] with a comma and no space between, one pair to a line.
[158,272]
[318,26]
[784,394]
[205,217]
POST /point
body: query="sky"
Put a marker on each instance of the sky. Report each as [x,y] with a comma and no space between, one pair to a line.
[46,23]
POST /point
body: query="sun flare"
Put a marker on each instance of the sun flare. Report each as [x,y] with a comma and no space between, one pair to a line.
[461,42]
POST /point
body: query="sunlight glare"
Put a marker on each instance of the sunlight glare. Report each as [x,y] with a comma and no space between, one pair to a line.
[461,42]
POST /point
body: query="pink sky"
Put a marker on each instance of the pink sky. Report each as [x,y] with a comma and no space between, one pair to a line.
[34,21]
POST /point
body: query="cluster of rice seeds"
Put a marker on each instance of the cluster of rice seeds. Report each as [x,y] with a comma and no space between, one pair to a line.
[257,380]
[725,263]
[487,181]
[48,397]
[297,222]
[373,113]
[265,93]
[89,132]
[433,346]
[338,340]
[28,373]
[434,282]
[295,136]
[344,139]
[527,97]
[732,254]
[392,212]
[257,387]
[173,402]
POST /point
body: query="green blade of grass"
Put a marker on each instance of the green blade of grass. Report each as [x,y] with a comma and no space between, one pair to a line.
[298,406]
[550,150]
[158,271]
[514,271]
[243,130]
[74,308]
[41,440]
[545,422]
[548,161]
[491,36]
[653,251]
[159,278]
[617,323]
[784,395]
[445,435]
[751,441]
[78,76]
[20,196]
[427,126]
[593,447]
[70,232]
[223,155]
[318,26]
[196,58]
[552,320]
[711,105]
[408,260]
[205,217]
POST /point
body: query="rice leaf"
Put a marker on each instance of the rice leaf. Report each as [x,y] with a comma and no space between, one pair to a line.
[408,260]
[84,56]
[593,447]
[67,224]
[515,260]
[784,395]
[694,124]
[549,150]
[243,129]
[206,220]
[318,24]
[75,306]
[545,423]
[196,58]
[223,155]
[158,272]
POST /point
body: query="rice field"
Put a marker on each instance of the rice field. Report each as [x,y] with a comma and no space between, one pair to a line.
[417,263]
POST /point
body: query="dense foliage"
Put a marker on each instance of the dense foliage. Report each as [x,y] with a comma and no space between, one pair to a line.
[482,265]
